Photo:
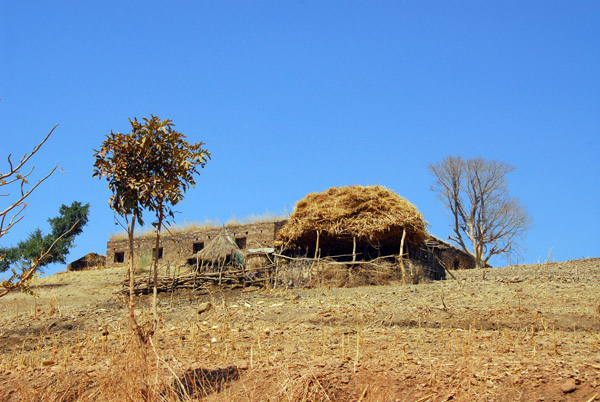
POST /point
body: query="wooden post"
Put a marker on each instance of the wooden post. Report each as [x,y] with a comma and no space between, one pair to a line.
[402,255]
[221,265]
[316,256]
[353,256]
[276,272]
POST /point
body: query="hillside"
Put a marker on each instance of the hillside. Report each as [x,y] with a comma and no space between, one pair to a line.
[529,332]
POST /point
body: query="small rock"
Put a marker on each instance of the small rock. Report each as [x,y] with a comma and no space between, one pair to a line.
[568,386]
[267,331]
[204,307]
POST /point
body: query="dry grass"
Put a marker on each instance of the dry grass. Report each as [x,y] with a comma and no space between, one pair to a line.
[517,335]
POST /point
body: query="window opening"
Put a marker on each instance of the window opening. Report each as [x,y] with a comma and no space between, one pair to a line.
[241,242]
[119,257]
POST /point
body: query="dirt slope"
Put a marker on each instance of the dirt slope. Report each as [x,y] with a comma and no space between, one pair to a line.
[514,333]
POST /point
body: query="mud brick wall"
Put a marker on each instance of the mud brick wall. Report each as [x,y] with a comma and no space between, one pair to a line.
[180,246]
[453,259]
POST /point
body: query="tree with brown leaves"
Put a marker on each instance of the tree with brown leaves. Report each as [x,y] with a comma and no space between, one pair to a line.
[483,213]
[148,169]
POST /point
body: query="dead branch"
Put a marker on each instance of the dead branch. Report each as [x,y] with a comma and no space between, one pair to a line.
[27,274]
[13,175]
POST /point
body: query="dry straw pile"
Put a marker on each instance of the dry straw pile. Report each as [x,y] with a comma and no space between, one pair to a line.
[369,213]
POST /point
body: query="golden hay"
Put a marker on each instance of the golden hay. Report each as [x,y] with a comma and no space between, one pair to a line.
[220,249]
[365,212]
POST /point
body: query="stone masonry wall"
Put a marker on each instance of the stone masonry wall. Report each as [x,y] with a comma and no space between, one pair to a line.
[179,247]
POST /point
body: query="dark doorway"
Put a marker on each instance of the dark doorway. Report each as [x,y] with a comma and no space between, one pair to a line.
[119,257]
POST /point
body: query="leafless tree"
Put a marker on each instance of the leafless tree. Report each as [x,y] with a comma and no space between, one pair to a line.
[483,213]
[12,213]
[17,176]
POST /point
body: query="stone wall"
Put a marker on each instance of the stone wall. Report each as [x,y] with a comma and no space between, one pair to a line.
[180,246]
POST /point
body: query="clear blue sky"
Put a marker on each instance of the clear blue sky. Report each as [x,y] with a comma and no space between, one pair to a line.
[293,97]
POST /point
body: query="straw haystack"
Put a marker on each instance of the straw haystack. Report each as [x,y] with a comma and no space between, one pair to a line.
[220,251]
[369,215]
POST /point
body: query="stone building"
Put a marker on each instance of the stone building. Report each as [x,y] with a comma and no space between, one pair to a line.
[181,245]
[452,257]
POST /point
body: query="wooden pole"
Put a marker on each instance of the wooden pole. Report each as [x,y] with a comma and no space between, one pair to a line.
[402,255]
[353,256]
[315,260]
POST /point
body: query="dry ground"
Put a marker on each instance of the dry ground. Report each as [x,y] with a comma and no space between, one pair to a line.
[520,333]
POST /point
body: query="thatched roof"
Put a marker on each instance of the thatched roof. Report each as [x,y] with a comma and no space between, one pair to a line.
[219,249]
[369,213]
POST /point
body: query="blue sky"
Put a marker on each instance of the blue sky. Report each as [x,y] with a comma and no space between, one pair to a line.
[293,97]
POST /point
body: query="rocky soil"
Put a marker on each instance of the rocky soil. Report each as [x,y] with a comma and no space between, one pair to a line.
[518,333]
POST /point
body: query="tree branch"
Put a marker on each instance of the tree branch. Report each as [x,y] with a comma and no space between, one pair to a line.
[27,274]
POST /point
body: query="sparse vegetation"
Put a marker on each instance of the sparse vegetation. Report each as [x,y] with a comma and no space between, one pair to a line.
[523,333]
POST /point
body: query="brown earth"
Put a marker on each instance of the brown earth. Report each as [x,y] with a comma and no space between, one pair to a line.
[519,333]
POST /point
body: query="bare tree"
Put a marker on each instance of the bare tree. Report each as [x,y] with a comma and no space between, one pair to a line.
[12,214]
[483,213]
[16,177]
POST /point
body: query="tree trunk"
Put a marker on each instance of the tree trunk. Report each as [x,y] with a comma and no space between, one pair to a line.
[131,273]
[156,254]
[476,251]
